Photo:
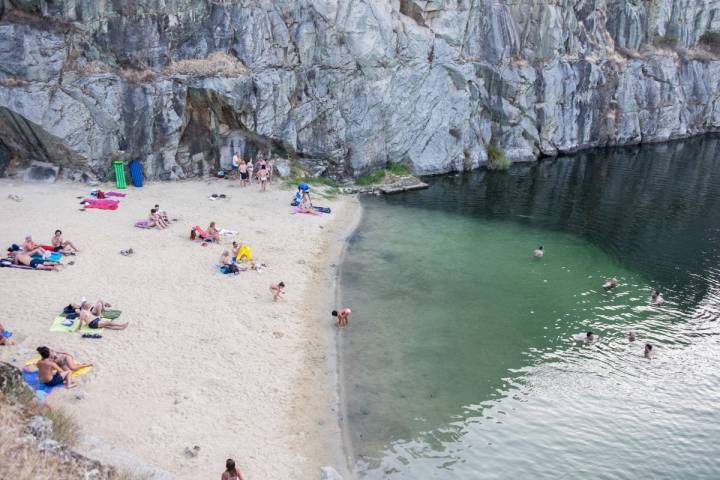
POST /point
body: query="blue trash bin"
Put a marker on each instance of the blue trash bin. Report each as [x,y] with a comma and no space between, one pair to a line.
[136,173]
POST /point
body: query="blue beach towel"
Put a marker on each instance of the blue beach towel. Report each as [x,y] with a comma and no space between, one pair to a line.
[6,334]
[41,390]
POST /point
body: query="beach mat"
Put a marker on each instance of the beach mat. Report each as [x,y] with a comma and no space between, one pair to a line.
[41,390]
[111,314]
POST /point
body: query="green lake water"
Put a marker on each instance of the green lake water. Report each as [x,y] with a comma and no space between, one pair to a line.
[460,361]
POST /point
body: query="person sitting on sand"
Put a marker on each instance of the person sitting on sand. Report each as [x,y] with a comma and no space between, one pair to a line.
[632,336]
[50,372]
[66,361]
[263,177]
[342,316]
[648,350]
[156,220]
[23,258]
[4,340]
[96,322]
[656,298]
[235,249]
[277,290]
[225,258]
[32,248]
[539,252]
[610,284]
[61,245]
[231,472]
[162,213]
[213,233]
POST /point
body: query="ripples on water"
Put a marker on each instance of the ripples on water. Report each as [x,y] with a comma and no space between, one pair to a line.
[558,409]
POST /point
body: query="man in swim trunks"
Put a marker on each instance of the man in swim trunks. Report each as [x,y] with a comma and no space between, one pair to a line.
[343,316]
[31,247]
[23,258]
[96,322]
[243,169]
[61,245]
[50,372]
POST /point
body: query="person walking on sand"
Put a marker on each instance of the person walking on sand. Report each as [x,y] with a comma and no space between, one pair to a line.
[50,372]
[343,316]
[277,290]
[61,245]
[231,472]
[96,322]
[539,252]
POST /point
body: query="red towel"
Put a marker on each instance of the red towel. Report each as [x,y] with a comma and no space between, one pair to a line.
[104,204]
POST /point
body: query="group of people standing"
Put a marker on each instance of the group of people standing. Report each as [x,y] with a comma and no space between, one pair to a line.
[261,172]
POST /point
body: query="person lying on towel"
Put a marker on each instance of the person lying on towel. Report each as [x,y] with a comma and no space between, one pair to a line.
[96,322]
[23,258]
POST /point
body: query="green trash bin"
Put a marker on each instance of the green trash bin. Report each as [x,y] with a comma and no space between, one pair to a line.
[119,167]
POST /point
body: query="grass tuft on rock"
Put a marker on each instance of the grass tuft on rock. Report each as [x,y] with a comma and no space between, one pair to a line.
[65,427]
[497,160]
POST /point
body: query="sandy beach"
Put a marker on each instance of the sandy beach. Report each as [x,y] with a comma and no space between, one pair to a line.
[208,359]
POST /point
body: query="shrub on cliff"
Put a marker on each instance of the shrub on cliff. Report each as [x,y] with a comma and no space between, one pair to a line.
[497,160]
[711,41]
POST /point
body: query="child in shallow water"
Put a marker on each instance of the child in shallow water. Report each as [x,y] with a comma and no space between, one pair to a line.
[343,316]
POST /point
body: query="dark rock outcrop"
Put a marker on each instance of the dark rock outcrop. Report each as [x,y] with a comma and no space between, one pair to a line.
[344,87]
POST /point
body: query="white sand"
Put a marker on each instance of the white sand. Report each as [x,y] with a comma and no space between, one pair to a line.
[208,359]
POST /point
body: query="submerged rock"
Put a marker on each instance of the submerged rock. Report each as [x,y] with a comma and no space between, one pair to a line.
[345,87]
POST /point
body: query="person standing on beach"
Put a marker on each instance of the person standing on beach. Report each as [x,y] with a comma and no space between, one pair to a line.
[243,173]
[263,176]
[342,316]
[231,472]
[250,169]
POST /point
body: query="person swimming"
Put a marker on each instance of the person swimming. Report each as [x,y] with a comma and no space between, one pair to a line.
[589,337]
[539,252]
[648,350]
[632,336]
[656,298]
[610,283]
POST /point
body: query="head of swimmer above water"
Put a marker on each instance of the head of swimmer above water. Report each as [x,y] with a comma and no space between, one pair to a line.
[589,335]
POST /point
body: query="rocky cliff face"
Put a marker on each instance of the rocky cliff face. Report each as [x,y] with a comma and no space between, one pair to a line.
[347,85]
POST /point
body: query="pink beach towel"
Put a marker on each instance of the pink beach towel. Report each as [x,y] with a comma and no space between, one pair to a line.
[143,224]
[103,204]
[115,194]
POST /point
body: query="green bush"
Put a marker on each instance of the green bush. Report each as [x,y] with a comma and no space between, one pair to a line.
[497,160]
[375,177]
[398,169]
[666,41]
[711,40]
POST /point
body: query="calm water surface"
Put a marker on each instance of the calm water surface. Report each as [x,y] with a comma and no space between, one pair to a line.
[460,361]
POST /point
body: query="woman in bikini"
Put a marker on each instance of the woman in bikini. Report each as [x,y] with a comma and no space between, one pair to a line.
[213,233]
[66,361]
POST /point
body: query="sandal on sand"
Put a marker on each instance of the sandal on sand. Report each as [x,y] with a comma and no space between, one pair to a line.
[91,335]
[71,262]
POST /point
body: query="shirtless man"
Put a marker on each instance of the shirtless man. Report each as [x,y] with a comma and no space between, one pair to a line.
[277,290]
[31,247]
[263,176]
[61,245]
[50,372]
[243,169]
[95,322]
[656,298]
[23,258]
[343,316]
[213,233]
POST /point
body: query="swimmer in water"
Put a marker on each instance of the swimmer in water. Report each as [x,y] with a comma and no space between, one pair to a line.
[610,284]
[589,337]
[539,252]
[632,336]
[656,298]
[648,350]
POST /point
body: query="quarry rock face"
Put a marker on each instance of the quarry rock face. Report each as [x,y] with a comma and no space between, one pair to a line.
[341,87]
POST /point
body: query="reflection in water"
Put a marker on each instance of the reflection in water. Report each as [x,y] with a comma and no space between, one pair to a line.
[459,362]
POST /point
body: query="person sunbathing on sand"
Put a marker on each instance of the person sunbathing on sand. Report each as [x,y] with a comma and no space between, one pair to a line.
[32,248]
[156,220]
[61,245]
[23,258]
[277,291]
[342,316]
[66,361]
[50,372]
[213,233]
[96,308]
[95,322]
[3,339]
